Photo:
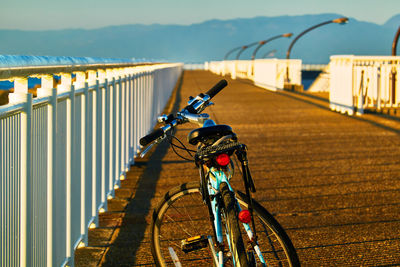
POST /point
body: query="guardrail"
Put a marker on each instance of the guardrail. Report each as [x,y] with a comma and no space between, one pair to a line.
[364,82]
[63,153]
[271,74]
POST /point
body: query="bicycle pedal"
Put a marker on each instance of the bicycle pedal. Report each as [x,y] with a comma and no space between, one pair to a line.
[194,243]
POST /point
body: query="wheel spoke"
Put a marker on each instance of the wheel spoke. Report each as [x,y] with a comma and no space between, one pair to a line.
[183,229]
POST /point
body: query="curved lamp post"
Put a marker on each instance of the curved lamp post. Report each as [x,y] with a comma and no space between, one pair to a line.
[244,48]
[261,43]
[338,21]
[394,44]
[394,73]
[231,51]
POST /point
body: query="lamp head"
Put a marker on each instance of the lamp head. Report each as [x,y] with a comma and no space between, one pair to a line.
[287,35]
[341,20]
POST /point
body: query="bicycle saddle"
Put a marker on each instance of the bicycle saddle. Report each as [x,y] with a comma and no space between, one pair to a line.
[211,133]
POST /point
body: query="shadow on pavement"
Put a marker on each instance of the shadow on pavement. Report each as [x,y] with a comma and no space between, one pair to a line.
[123,251]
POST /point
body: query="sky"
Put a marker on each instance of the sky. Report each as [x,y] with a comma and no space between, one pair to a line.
[90,14]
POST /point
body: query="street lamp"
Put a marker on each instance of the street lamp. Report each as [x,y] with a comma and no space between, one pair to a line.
[244,48]
[394,73]
[261,43]
[395,40]
[338,21]
[231,51]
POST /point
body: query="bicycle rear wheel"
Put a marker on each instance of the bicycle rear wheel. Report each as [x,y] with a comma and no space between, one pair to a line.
[232,226]
[275,245]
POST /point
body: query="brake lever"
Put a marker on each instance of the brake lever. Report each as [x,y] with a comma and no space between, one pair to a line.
[144,152]
[147,149]
[209,103]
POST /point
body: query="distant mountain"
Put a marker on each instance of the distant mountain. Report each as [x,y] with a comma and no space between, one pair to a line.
[209,40]
[393,23]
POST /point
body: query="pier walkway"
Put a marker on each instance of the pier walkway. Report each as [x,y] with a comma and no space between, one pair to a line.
[331,180]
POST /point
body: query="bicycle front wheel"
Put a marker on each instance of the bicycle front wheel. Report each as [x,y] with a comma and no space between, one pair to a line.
[181,217]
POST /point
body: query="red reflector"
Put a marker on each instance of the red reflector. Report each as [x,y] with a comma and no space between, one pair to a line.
[244,216]
[222,159]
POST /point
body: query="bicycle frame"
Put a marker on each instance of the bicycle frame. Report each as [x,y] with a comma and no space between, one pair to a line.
[215,178]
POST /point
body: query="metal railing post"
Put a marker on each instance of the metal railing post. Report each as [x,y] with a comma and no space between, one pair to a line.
[51,172]
[70,126]
[25,212]
[106,141]
[92,80]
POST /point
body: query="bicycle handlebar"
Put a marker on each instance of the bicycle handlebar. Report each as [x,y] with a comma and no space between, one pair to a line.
[193,108]
[217,88]
[147,139]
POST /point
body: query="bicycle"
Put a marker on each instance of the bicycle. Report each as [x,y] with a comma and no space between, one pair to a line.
[180,233]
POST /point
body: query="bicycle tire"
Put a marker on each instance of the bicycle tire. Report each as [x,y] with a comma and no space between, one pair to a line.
[270,233]
[232,226]
[180,214]
[287,248]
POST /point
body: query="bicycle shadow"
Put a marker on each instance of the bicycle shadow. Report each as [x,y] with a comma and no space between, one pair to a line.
[127,249]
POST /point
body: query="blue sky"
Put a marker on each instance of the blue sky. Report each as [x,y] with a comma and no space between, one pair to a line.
[89,14]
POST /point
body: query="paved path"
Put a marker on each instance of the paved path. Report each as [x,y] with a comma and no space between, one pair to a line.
[332,181]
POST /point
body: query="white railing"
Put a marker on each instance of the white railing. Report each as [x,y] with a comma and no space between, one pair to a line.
[223,68]
[270,74]
[193,66]
[273,73]
[361,82]
[243,69]
[313,67]
[63,153]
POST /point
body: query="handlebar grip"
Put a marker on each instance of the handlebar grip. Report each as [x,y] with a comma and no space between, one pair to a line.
[147,139]
[217,88]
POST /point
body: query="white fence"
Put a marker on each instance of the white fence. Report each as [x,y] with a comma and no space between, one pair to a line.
[355,83]
[193,66]
[361,82]
[313,67]
[271,74]
[63,153]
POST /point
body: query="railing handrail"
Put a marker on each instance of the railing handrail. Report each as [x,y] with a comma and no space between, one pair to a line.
[12,66]
[365,58]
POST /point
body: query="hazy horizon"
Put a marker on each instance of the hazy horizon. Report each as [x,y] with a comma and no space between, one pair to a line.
[93,14]
[189,24]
